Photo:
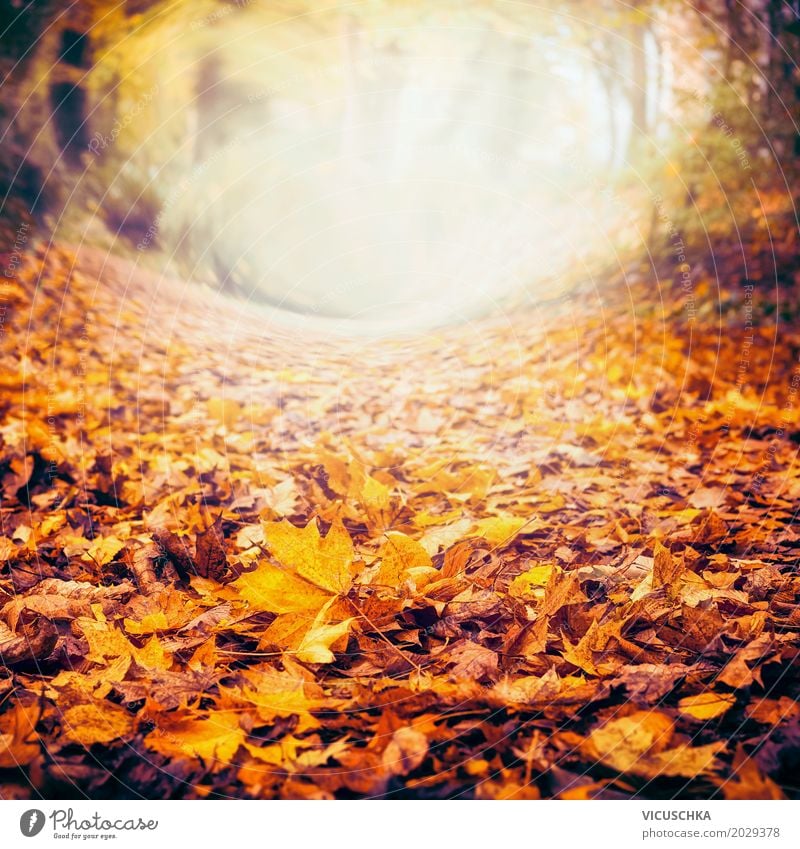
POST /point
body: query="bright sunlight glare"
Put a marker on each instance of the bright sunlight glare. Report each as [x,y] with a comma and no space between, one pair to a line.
[395,176]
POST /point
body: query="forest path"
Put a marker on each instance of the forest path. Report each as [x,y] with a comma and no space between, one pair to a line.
[550,554]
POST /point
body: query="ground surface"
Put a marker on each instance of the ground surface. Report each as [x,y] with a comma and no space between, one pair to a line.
[551,555]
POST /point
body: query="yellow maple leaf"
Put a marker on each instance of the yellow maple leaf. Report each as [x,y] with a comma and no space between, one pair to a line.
[312,640]
[498,529]
[214,738]
[106,642]
[152,655]
[277,590]
[708,705]
[315,647]
[225,410]
[52,523]
[293,754]
[96,683]
[148,624]
[312,569]
[324,561]
[314,573]
[639,744]
[529,586]
[277,693]
[375,495]
[103,550]
[444,537]
[99,722]
[280,754]
[399,554]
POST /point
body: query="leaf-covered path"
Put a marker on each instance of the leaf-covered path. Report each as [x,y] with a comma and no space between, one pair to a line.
[550,555]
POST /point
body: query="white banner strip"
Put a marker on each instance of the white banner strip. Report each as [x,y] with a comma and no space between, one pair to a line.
[403,824]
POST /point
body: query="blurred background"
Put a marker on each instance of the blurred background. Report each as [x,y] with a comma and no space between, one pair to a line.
[395,162]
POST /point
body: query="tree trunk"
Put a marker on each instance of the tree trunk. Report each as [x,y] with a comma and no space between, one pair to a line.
[638,84]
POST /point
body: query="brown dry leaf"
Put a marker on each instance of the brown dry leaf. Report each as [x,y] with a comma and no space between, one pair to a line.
[667,569]
[736,672]
[210,557]
[773,711]
[32,640]
[177,549]
[710,528]
[19,742]
[56,599]
[747,781]
[406,751]
[562,588]
[141,560]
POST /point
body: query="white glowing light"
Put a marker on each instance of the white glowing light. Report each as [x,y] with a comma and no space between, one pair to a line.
[405,186]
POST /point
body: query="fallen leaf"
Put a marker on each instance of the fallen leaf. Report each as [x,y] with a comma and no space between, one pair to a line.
[214,738]
[406,751]
[708,705]
[100,722]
